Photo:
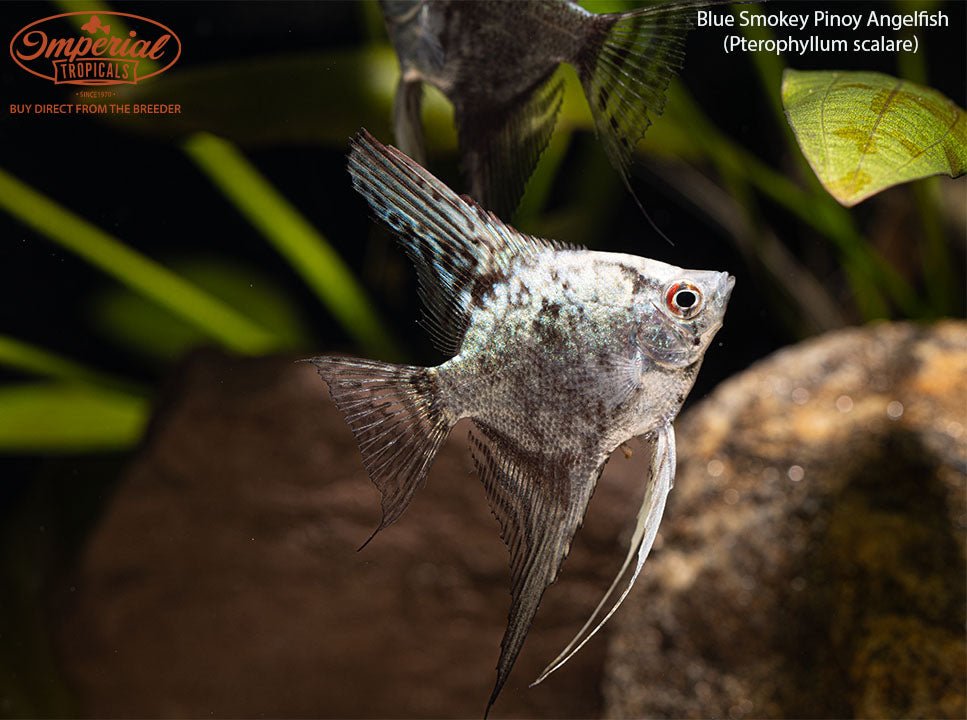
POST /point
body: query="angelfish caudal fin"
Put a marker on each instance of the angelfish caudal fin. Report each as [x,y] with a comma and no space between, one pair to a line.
[625,67]
[399,421]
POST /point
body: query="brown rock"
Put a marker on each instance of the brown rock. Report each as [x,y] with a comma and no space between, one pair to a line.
[812,557]
[223,580]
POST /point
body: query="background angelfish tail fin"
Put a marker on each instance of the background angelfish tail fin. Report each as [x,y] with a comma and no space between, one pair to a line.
[500,147]
[399,420]
[626,66]
[407,121]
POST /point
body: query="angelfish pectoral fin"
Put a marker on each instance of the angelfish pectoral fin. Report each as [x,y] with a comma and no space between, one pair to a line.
[649,517]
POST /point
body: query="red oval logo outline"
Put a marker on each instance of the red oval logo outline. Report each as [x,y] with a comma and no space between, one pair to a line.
[96,81]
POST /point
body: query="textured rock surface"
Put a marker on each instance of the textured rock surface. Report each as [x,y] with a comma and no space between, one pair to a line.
[812,562]
[223,580]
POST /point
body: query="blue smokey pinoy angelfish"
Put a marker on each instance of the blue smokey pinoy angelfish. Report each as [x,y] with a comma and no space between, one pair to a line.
[560,355]
[497,62]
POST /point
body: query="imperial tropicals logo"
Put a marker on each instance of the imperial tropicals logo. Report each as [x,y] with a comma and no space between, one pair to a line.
[108,48]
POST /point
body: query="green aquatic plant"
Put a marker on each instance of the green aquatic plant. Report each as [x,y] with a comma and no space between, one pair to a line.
[306,250]
[88,414]
[142,274]
[863,132]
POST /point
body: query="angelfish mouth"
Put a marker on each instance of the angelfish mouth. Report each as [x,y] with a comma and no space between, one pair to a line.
[725,286]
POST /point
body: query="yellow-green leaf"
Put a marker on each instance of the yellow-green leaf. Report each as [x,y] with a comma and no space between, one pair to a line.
[863,132]
[68,417]
[136,323]
[218,320]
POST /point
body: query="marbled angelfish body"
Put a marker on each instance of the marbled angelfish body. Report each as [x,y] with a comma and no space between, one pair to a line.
[497,62]
[559,355]
[553,352]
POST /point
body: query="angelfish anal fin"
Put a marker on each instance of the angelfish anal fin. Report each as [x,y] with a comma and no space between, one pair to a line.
[540,501]
[660,483]
[500,146]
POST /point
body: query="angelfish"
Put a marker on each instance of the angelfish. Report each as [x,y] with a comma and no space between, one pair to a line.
[497,62]
[559,356]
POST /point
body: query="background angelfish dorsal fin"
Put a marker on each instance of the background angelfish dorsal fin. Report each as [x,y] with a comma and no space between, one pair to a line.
[457,246]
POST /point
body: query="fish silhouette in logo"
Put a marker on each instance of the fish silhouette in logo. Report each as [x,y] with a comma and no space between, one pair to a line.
[559,355]
[94,24]
[497,62]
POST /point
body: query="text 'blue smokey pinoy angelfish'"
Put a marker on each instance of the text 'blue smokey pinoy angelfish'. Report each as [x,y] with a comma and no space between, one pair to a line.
[496,61]
[560,355]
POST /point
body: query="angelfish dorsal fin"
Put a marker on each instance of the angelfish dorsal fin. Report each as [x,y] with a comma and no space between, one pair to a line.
[457,246]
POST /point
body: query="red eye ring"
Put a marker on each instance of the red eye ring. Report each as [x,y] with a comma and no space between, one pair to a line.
[683,299]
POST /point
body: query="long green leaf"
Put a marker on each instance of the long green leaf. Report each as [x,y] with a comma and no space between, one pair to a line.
[863,132]
[67,417]
[216,319]
[20,355]
[140,325]
[309,253]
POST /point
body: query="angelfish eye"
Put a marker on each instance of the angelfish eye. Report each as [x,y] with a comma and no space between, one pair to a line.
[683,299]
